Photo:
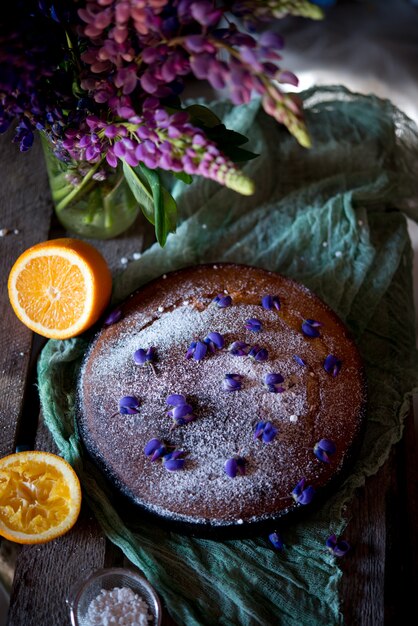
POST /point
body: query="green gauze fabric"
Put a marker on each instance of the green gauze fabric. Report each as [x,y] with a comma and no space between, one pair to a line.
[332,217]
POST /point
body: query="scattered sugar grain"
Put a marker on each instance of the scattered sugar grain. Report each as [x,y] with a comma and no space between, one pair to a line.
[164,276]
[4,232]
[16,231]
[325,243]
[160,309]
[124,260]
[204,226]
[118,606]
[338,253]
[293,418]
[136,256]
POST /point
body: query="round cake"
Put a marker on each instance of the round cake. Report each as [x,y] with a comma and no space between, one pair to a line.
[222,397]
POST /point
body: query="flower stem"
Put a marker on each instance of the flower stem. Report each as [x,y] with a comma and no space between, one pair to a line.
[73,194]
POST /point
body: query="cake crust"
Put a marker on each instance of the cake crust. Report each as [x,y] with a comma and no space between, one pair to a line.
[168,314]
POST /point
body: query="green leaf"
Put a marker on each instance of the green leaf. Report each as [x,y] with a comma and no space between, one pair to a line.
[238,155]
[157,204]
[165,207]
[202,116]
[141,190]
[185,178]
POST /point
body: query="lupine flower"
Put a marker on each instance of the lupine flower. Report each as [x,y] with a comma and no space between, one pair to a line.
[232,382]
[258,354]
[145,357]
[332,365]
[270,302]
[254,325]
[276,540]
[155,449]
[197,350]
[158,450]
[98,78]
[265,431]
[172,461]
[273,383]
[214,341]
[113,317]
[129,405]
[323,449]
[234,466]
[239,348]
[337,547]
[222,301]
[181,412]
[310,328]
[301,494]
[299,360]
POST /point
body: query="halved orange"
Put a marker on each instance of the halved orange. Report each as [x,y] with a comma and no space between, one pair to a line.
[40,497]
[59,288]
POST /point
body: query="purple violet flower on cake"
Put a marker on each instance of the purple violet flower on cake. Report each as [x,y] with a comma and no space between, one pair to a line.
[323,449]
[129,405]
[258,353]
[265,431]
[239,348]
[181,412]
[222,301]
[254,325]
[214,341]
[301,494]
[273,382]
[232,382]
[271,302]
[310,328]
[234,466]
[332,365]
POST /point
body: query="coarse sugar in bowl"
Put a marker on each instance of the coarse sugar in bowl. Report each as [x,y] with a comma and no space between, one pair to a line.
[114,596]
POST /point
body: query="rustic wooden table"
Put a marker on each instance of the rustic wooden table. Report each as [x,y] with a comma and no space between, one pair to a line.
[380,573]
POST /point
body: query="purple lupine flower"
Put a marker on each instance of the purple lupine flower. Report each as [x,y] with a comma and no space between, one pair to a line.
[232,382]
[173,462]
[113,317]
[145,357]
[323,449]
[181,412]
[258,353]
[265,431]
[214,341]
[239,348]
[337,547]
[142,357]
[276,540]
[269,302]
[222,301]
[155,449]
[273,382]
[129,405]
[310,328]
[176,399]
[234,466]
[254,325]
[197,350]
[332,365]
[299,360]
[301,494]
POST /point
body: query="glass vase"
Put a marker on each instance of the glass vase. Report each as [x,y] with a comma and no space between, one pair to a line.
[96,205]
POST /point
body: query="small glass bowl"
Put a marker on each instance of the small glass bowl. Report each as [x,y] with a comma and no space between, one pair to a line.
[90,587]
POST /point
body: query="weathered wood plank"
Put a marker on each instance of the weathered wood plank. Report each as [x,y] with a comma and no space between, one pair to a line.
[25,209]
